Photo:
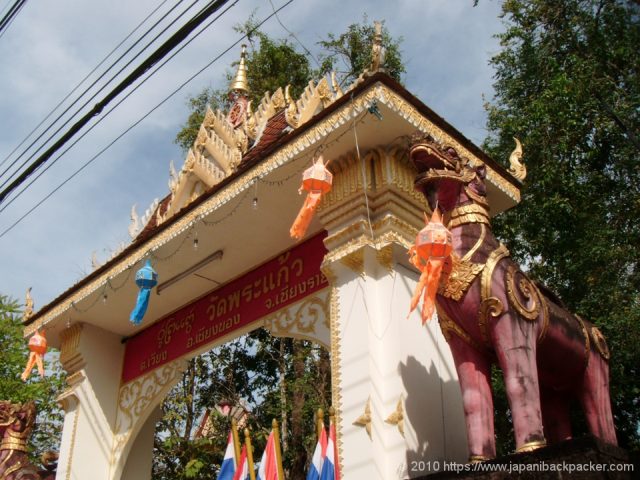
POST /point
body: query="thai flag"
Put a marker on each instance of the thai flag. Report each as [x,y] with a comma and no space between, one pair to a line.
[242,473]
[330,467]
[319,455]
[228,467]
[269,464]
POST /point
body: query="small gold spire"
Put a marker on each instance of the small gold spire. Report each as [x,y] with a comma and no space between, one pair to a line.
[240,82]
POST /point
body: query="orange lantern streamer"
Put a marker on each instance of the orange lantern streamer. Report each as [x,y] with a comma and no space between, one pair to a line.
[432,249]
[316,180]
[37,349]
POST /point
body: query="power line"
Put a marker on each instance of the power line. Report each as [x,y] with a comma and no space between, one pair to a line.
[8,19]
[156,56]
[84,80]
[94,95]
[86,132]
[92,159]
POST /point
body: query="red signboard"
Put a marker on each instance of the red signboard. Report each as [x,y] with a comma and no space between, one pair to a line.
[273,285]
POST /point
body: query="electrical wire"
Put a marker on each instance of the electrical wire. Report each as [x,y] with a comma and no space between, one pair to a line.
[86,77]
[97,109]
[86,164]
[8,19]
[131,92]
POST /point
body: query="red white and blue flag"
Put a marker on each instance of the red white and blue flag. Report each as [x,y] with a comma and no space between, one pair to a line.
[228,467]
[269,464]
[242,472]
[319,455]
[330,467]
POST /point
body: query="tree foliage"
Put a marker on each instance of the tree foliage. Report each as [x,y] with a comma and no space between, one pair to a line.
[567,83]
[349,53]
[269,377]
[48,429]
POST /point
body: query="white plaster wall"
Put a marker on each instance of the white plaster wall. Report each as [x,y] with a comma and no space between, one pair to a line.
[87,440]
[386,356]
[139,461]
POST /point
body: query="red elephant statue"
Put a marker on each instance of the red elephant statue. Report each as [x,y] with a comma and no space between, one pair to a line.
[491,312]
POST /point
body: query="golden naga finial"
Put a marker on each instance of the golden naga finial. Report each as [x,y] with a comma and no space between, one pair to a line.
[28,306]
[377,51]
[517,168]
[240,82]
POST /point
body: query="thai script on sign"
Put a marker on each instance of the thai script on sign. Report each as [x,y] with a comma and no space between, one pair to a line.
[273,285]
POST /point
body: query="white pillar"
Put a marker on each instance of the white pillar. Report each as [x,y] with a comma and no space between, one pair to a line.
[394,383]
[93,360]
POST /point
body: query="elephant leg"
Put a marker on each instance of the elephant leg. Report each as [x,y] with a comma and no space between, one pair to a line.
[555,415]
[474,374]
[515,346]
[595,399]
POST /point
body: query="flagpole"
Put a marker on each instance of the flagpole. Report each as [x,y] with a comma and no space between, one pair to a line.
[247,442]
[236,440]
[332,423]
[276,439]
[320,422]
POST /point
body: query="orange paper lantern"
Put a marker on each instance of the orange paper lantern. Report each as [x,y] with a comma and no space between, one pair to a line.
[432,248]
[37,349]
[316,180]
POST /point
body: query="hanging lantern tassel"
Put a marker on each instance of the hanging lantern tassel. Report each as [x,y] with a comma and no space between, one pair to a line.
[431,251]
[316,180]
[37,349]
[146,279]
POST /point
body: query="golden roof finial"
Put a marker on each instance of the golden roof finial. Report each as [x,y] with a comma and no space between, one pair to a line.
[240,82]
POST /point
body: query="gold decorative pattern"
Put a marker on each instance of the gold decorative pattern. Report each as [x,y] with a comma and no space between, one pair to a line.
[463,273]
[136,397]
[397,417]
[28,306]
[545,318]
[448,326]
[336,370]
[490,307]
[517,168]
[300,320]
[587,341]
[472,213]
[531,446]
[384,256]
[365,419]
[355,261]
[70,357]
[283,155]
[494,257]
[525,288]
[600,343]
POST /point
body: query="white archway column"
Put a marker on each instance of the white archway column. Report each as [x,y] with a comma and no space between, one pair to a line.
[394,383]
[92,358]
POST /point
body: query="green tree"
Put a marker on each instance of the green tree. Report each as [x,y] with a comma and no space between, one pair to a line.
[349,53]
[48,429]
[567,83]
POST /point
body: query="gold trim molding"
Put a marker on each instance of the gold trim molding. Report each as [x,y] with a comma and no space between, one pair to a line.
[397,417]
[303,319]
[365,419]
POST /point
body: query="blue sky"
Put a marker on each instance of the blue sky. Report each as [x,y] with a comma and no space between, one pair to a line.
[51,45]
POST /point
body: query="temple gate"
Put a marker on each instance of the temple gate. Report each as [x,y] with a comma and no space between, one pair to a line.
[347,285]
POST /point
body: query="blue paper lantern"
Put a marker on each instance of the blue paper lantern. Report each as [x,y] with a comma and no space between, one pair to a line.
[146,279]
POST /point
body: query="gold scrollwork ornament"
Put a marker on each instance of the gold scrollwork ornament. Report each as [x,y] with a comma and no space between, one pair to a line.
[526,289]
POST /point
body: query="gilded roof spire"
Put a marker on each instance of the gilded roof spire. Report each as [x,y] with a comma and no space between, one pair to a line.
[240,82]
